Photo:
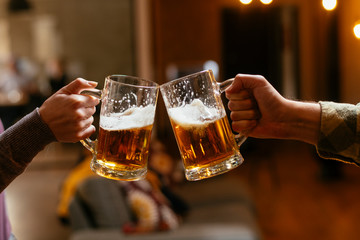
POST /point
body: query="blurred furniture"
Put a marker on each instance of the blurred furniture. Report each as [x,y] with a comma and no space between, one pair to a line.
[220,208]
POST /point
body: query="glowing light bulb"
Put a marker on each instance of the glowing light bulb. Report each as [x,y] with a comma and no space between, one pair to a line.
[329,4]
[266,1]
[245,1]
[357,30]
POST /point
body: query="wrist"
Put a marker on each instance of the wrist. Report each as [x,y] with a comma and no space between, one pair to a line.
[304,121]
[40,111]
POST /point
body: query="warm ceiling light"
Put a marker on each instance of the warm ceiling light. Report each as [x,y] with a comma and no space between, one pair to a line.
[357,29]
[329,4]
[266,1]
[245,1]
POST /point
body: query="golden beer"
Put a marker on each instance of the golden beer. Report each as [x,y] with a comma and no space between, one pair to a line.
[205,143]
[124,150]
[122,147]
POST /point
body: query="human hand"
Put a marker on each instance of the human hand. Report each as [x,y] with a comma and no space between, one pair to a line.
[258,110]
[69,114]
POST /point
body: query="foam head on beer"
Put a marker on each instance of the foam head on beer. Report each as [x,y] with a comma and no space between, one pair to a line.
[135,117]
[195,113]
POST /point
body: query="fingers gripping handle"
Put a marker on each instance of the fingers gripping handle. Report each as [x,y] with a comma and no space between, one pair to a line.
[225,84]
[92,92]
[88,143]
[241,137]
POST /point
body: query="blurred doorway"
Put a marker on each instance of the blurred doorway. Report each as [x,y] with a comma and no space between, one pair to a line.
[262,41]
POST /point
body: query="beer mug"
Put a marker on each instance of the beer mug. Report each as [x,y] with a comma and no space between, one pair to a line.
[200,124]
[126,120]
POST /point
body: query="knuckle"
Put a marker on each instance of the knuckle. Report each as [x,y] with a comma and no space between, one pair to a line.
[230,105]
[91,120]
[79,80]
[92,110]
[232,116]
[95,101]
[252,114]
[260,77]
[77,103]
[79,116]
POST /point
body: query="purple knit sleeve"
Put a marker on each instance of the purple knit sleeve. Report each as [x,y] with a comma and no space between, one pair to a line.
[20,143]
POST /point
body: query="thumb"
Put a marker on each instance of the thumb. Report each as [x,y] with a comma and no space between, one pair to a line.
[245,81]
[76,86]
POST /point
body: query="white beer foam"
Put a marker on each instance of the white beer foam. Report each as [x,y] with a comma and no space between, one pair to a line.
[135,117]
[194,114]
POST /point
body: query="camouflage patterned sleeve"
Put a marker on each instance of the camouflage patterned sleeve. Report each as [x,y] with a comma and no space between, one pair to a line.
[339,136]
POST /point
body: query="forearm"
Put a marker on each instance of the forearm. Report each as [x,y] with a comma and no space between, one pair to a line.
[303,121]
[20,144]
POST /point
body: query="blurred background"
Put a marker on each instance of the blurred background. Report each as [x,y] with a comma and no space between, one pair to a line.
[308,49]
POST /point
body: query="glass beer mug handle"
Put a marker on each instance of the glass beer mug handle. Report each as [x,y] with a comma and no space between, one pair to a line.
[225,84]
[241,137]
[88,143]
[92,92]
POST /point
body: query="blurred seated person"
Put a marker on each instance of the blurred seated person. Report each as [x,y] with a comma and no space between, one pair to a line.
[17,77]
[169,172]
[149,204]
[154,204]
[16,84]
